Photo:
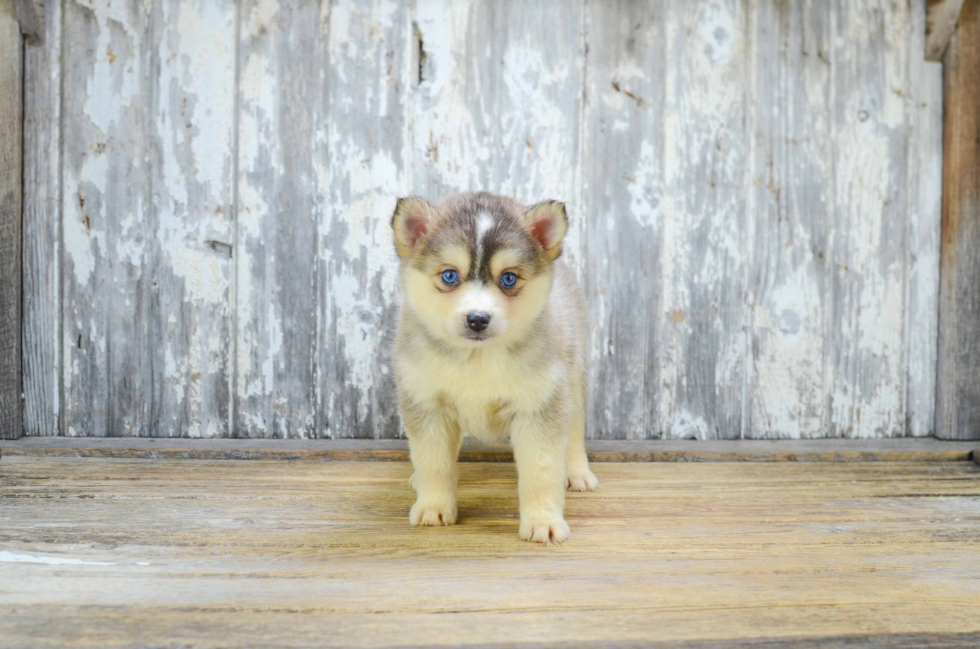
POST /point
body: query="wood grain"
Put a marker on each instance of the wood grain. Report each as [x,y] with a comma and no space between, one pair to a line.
[11,187]
[820,316]
[703,345]
[30,15]
[941,18]
[623,199]
[867,269]
[138,553]
[106,205]
[282,58]
[498,101]
[186,310]
[42,345]
[925,209]
[146,223]
[791,198]
[958,398]
[363,149]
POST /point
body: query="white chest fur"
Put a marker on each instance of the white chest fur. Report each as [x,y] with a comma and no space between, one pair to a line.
[485,381]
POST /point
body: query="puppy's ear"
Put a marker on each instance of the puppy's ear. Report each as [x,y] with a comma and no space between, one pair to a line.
[547,223]
[411,221]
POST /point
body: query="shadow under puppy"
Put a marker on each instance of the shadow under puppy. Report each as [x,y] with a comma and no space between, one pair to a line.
[491,343]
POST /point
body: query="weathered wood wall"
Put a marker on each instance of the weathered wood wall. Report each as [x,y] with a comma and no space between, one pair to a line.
[755,190]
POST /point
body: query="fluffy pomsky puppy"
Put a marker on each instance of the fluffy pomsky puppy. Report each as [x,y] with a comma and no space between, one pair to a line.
[491,343]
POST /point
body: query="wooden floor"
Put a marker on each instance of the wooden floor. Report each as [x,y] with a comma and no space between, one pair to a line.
[129,552]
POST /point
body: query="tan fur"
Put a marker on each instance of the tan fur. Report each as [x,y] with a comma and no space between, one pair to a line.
[526,380]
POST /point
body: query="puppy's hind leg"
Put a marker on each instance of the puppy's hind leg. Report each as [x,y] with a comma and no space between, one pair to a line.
[434,439]
[580,478]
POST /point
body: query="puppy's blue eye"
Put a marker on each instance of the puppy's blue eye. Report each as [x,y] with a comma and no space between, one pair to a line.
[450,277]
[507,280]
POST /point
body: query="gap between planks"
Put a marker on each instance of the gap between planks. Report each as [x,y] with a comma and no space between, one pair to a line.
[821,450]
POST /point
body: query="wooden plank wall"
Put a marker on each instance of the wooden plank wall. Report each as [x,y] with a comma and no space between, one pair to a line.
[753,186]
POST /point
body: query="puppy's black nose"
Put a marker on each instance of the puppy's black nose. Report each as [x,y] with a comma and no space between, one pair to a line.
[477,321]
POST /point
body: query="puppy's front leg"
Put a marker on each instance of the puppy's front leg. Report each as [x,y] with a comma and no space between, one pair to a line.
[540,441]
[434,439]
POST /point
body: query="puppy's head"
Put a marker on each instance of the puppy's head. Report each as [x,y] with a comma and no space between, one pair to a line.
[477,269]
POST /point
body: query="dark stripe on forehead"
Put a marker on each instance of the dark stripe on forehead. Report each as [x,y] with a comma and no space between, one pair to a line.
[461,223]
[482,234]
[499,238]
[507,232]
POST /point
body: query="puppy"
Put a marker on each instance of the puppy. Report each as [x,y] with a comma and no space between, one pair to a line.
[491,343]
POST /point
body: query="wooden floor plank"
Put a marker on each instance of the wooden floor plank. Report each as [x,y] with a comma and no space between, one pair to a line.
[134,552]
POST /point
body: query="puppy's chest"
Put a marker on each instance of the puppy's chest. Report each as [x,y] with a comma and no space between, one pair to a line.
[484,383]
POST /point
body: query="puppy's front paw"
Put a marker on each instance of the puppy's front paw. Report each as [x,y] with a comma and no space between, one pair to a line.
[431,513]
[583,480]
[537,531]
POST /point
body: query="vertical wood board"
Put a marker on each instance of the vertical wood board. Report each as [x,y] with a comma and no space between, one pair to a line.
[11,159]
[42,229]
[925,179]
[623,189]
[703,270]
[867,248]
[958,390]
[791,203]
[363,152]
[283,64]
[147,227]
[188,314]
[105,212]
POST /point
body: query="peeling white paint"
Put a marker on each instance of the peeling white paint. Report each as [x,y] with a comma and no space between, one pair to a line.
[78,246]
[687,425]
[371,181]
[116,68]
[645,188]
[789,331]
